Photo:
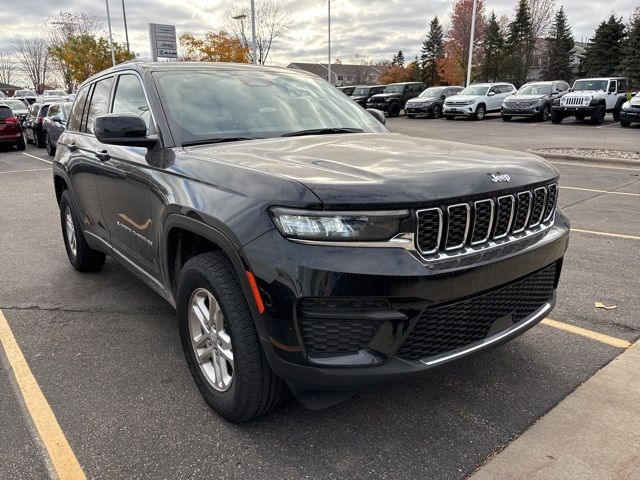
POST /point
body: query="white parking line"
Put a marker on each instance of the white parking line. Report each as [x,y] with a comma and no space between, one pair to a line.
[578,164]
[38,158]
[608,192]
[30,170]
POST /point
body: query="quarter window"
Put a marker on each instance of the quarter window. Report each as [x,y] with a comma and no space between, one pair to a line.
[129,98]
[76,110]
[99,102]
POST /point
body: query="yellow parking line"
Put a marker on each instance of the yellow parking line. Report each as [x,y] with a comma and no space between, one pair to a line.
[606,234]
[600,337]
[601,191]
[63,459]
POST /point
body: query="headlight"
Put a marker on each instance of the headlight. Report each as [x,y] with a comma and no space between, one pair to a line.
[626,105]
[337,226]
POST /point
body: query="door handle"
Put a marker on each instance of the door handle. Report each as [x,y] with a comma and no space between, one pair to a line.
[72,147]
[103,155]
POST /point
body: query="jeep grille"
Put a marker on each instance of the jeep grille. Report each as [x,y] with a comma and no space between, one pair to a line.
[459,226]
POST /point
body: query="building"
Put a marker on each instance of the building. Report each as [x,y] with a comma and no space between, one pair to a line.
[538,59]
[343,74]
[8,89]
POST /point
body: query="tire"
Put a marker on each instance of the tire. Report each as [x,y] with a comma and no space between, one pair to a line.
[556,117]
[480,113]
[436,112]
[506,118]
[597,118]
[246,387]
[82,257]
[394,110]
[21,143]
[545,113]
[625,123]
[51,150]
[38,140]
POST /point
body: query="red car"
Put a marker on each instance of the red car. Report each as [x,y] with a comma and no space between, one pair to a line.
[10,128]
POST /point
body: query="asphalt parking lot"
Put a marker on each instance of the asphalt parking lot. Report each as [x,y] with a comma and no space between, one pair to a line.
[105,350]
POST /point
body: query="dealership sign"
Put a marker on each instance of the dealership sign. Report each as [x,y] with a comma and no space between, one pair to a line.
[163,41]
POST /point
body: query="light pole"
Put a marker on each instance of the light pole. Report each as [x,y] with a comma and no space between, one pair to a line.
[241,17]
[253,31]
[471,41]
[113,56]
[126,30]
[329,38]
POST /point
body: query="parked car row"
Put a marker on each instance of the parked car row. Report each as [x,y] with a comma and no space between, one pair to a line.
[542,101]
[45,123]
[11,131]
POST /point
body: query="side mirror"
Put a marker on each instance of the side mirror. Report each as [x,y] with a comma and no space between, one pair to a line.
[127,130]
[491,94]
[378,115]
[56,119]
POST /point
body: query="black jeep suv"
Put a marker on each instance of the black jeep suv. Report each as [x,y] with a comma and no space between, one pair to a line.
[304,247]
[394,97]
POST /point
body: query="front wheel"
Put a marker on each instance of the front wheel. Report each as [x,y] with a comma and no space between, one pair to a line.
[597,118]
[556,117]
[82,257]
[436,111]
[545,113]
[220,342]
[394,110]
[625,123]
[481,112]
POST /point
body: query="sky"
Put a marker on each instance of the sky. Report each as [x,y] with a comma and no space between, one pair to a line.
[374,28]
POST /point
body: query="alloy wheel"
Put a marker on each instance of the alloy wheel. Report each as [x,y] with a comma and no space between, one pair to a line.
[436,112]
[210,342]
[70,231]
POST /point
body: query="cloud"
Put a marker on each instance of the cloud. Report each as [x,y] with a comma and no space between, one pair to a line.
[374,28]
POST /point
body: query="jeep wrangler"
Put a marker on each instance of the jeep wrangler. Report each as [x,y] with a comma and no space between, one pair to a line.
[593,98]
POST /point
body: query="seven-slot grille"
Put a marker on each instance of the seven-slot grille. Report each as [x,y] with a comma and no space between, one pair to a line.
[575,101]
[469,224]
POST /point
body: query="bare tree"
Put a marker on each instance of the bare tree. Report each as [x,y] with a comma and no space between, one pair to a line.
[361,68]
[32,54]
[6,67]
[542,13]
[58,28]
[272,21]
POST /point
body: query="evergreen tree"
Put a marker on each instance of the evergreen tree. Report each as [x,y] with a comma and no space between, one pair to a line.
[559,50]
[604,52]
[494,50]
[398,60]
[520,43]
[630,66]
[432,54]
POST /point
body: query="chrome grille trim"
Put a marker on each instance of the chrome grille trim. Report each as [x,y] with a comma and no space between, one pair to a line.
[440,230]
[475,221]
[526,221]
[513,210]
[534,223]
[466,228]
[552,196]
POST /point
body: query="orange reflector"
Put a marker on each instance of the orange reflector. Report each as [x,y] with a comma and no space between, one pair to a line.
[256,292]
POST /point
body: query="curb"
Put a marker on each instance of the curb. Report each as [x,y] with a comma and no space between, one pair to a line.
[586,159]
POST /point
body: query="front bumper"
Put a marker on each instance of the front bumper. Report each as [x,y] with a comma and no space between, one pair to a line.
[570,111]
[630,115]
[459,110]
[522,112]
[383,106]
[289,274]
[418,110]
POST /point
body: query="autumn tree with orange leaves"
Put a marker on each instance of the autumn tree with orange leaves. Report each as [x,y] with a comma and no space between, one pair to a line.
[213,47]
[454,65]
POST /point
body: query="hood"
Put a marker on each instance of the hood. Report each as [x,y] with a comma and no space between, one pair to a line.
[383,96]
[525,98]
[378,169]
[359,97]
[463,98]
[422,100]
[585,93]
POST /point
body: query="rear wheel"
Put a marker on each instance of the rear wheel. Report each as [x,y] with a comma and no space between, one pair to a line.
[82,257]
[21,143]
[556,117]
[220,341]
[480,113]
[597,118]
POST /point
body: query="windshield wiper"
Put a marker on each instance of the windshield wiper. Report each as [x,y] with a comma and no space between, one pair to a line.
[217,140]
[323,131]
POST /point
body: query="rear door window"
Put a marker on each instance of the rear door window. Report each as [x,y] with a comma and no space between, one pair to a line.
[99,102]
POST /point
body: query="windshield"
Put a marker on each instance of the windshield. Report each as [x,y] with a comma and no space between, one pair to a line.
[393,89]
[590,85]
[434,92]
[475,90]
[55,93]
[25,93]
[361,92]
[15,104]
[206,105]
[535,89]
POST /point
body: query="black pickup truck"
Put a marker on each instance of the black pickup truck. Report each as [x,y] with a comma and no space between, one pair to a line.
[304,247]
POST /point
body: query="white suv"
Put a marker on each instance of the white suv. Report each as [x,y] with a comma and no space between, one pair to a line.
[593,98]
[477,100]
